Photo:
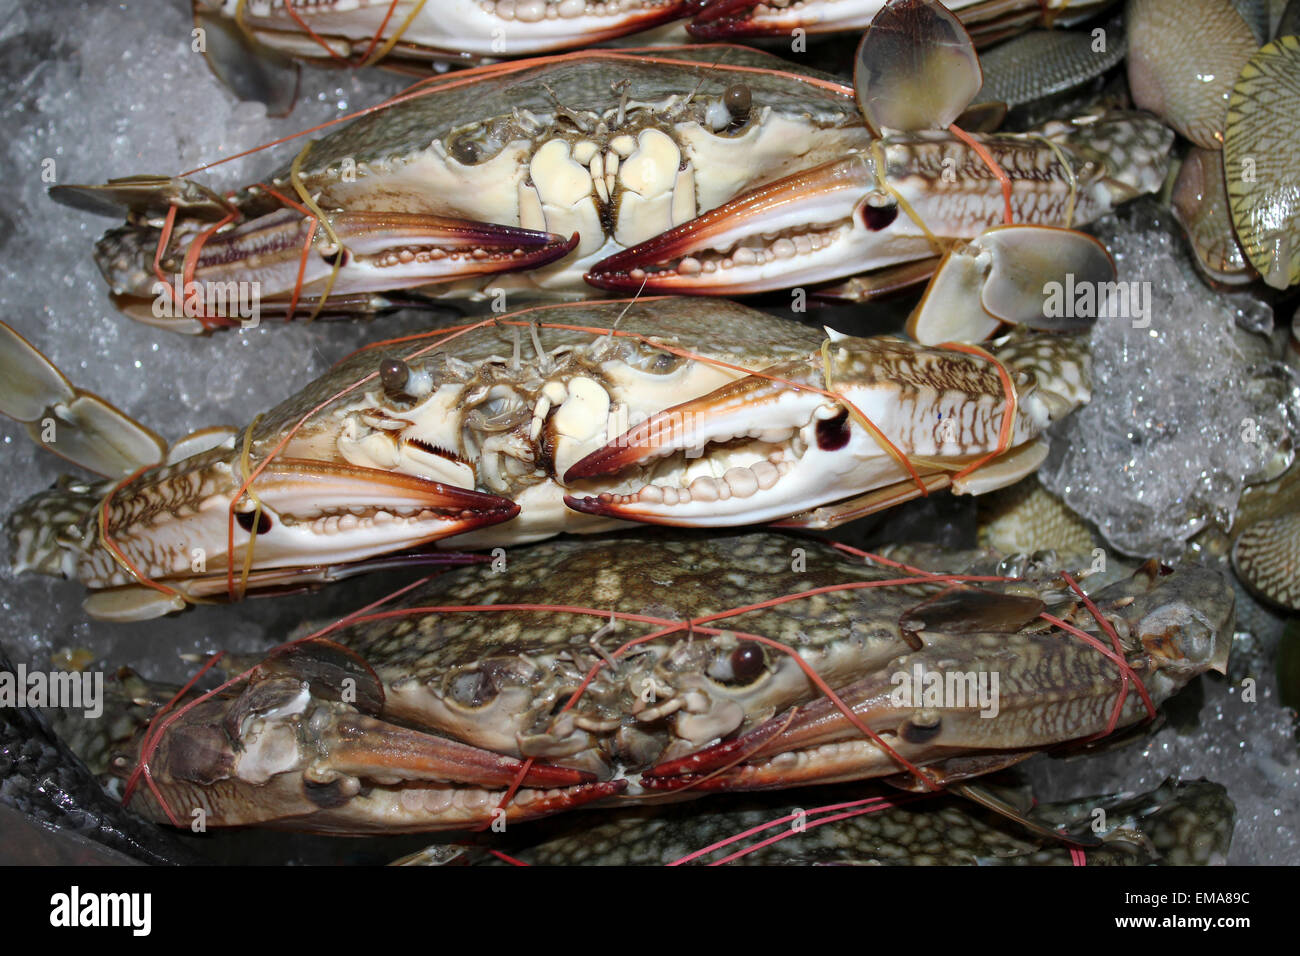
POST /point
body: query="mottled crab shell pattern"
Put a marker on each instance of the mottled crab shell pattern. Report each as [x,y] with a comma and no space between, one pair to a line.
[690,711]
[474,432]
[511,408]
[1177,824]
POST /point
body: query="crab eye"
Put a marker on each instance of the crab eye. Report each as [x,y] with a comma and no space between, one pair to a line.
[745,663]
[465,151]
[473,689]
[393,375]
[878,210]
[479,143]
[654,361]
[738,100]
[665,362]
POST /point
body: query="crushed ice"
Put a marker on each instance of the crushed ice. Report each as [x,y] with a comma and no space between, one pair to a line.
[100,95]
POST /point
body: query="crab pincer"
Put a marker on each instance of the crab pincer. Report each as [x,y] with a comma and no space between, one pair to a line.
[832,429]
[300,745]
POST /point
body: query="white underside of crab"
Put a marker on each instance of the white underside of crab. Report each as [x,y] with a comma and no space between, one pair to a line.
[493,28]
[580,413]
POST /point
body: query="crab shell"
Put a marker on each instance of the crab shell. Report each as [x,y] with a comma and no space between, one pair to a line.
[573,418]
[422,720]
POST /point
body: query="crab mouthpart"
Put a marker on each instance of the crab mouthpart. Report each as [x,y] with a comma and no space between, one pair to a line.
[278,753]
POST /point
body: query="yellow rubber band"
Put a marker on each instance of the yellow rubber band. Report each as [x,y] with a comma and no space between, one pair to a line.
[246,471]
[1069,172]
[387,48]
[295,178]
[882,179]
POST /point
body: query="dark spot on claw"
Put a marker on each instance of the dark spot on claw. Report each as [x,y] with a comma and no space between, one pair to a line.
[394,374]
[878,212]
[833,433]
[245,519]
[339,257]
[747,661]
[738,100]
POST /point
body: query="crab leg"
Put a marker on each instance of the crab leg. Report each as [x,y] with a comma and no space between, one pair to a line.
[987,19]
[352,30]
[189,515]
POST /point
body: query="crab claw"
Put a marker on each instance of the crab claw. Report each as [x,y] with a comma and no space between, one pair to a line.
[312,514]
[776,443]
[820,224]
[728,19]
[1175,624]
[465,27]
[391,510]
[316,512]
[375,251]
[1024,691]
[763,480]
[286,750]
